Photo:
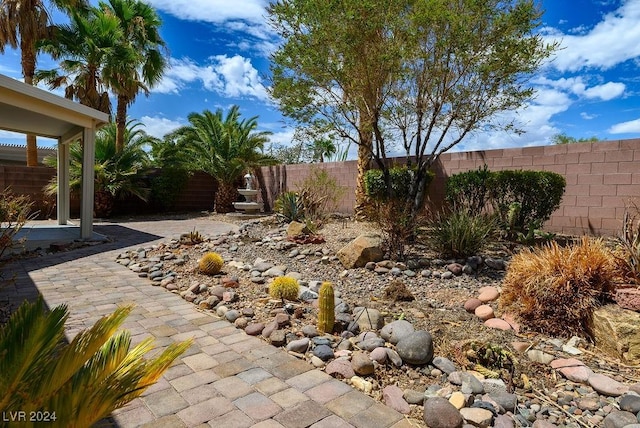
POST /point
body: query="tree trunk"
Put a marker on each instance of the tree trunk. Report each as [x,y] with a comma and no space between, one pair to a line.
[28,70]
[121,122]
[225,197]
[364,164]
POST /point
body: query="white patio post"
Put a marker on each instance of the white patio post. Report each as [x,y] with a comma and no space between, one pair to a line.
[63,183]
[86,207]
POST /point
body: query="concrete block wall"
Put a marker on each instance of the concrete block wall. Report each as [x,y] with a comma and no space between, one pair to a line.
[30,181]
[602,179]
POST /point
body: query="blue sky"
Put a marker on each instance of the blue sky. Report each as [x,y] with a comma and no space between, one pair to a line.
[219,56]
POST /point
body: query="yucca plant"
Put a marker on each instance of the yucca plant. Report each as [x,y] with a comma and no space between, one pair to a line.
[82,381]
[554,290]
[289,206]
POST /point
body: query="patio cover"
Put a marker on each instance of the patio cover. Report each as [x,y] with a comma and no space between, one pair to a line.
[27,109]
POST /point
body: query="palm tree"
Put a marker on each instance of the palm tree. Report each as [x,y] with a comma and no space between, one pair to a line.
[321,148]
[117,174]
[225,148]
[83,381]
[23,23]
[138,62]
[83,46]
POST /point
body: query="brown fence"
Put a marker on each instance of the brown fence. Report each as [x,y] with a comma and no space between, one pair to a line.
[30,181]
[602,178]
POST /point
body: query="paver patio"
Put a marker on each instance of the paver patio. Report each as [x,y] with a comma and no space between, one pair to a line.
[226,378]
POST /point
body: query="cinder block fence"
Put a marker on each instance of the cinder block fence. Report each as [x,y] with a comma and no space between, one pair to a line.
[602,179]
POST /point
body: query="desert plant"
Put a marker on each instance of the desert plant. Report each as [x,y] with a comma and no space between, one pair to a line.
[289,207]
[326,308]
[392,209]
[210,263]
[460,233]
[629,254]
[320,194]
[79,382]
[469,190]
[192,238]
[14,213]
[524,200]
[284,287]
[554,290]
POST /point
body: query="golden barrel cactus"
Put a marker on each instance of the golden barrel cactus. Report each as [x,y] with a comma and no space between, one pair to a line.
[210,263]
[284,287]
[326,308]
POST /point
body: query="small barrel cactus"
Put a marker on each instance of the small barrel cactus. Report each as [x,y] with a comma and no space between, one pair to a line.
[210,263]
[326,308]
[284,287]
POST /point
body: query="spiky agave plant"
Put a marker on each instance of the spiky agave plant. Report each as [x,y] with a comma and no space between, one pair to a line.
[82,381]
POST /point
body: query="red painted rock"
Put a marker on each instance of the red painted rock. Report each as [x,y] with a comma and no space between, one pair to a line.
[471,305]
[484,312]
[488,294]
[497,323]
[628,298]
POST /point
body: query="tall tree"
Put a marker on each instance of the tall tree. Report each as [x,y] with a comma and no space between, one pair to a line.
[23,23]
[83,47]
[425,73]
[138,63]
[225,148]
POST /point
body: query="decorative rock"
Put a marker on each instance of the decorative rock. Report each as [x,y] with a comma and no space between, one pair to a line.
[455,268]
[274,272]
[229,296]
[310,331]
[278,338]
[630,403]
[413,397]
[446,275]
[416,348]
[497,323]
[365,248]
[497,264]
[232,315]
[368,319]
[606,386]
[458,400]
[471,385]
[282,319]
[617,332]
[484,312]
[396,330]
[361,384]
[541,423]
[296,228]
[371,344]
[494,386]
[471,305]
[619,419]
[317,362]
[324,352]
[393,397]
[488,294]
[510,318]
[505,400]
[572,369]
[362,364]
[439,413]
[306,294]
[300,345]
[444,364]
[340,368]
[503,421]
[477,417]
[394,357]
[241,323]
[537,356]
[269,328]
[379,355]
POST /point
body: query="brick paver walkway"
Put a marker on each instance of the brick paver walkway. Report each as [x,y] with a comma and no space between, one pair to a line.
[226,379]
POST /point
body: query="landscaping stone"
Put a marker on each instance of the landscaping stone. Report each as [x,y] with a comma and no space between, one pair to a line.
[619,419]
[393,397]
[368,319]
[362,364]
[254,329]
[498,323]
[396,330]
[471,304]
[379,355]
[488,294]
[477,417]
[340,368]
[416,348]
[617,332]
[606,386]
[484,312]
[300,345]
[439,413]
[324,352]
[444,364]
[365,248]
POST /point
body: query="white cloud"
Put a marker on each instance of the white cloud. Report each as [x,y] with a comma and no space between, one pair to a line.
[577,86]
[233,77]
[215,11]
[587,116]
[605,92]
[612,41]
[632,126]
[159,126]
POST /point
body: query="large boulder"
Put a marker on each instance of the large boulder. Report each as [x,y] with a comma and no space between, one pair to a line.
[616,331]
[365,248]
[296,228]
[416,348]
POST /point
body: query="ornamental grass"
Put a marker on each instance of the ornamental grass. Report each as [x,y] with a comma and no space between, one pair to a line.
[554,290]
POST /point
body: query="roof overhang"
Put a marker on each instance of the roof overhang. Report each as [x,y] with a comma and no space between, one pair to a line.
[30,110]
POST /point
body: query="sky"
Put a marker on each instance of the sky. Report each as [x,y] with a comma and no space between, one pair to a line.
[219,56]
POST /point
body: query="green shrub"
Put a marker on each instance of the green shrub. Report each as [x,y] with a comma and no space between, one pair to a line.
[15,211]
[289,207]
[524,200]
[400,178]
[469,190]
[167,186]
[320,194]
[460,234]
